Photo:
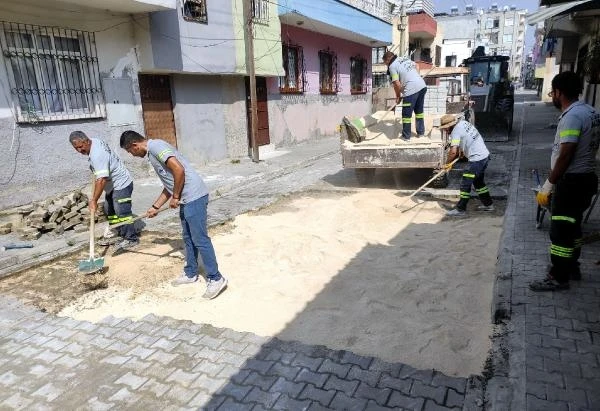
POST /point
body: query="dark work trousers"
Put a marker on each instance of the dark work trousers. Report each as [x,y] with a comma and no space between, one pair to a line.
[474,176]
[118,210]
[572,195]
[414,102]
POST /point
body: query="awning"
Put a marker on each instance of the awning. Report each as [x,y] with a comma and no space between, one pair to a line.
[549,12]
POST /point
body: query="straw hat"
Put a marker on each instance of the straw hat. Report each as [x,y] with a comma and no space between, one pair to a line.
[447,120]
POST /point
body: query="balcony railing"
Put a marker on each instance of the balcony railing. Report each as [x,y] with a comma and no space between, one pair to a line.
[379,8]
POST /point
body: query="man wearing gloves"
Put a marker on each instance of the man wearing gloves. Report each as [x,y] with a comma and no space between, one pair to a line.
[464,136]
[572,181]
[407,82]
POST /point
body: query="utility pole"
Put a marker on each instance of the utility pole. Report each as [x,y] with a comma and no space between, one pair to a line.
[402,50]
[249,42]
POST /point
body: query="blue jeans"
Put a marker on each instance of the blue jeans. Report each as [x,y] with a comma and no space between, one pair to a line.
[118,210]
[415,102]
[474,176]
[195,237]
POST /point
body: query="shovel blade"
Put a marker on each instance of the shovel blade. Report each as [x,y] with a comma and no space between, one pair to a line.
[91,265]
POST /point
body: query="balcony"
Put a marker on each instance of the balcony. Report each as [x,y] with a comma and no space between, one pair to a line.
[421,26]
[126,6]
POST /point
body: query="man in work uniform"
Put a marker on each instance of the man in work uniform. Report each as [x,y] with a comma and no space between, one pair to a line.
[572,181]
[407,82]
[112,178]
[465,137]
[183,189]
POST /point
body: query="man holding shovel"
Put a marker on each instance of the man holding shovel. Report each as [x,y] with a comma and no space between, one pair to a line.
[410,88]
[183,189]
[112,178]
[465,137]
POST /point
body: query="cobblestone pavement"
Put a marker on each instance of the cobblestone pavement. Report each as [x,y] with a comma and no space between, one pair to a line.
[49,362]
[547,351]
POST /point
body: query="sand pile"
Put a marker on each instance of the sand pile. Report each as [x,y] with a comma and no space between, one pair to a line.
[346,270]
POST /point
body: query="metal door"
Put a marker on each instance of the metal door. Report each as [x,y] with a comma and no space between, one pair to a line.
[262,111]
[157,107]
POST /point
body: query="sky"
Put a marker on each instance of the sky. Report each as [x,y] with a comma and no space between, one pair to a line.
[530,5]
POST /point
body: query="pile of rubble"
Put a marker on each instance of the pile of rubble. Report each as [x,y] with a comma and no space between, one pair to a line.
[67,212]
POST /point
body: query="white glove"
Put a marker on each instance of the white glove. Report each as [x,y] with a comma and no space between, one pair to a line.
[548,187]
[543,196]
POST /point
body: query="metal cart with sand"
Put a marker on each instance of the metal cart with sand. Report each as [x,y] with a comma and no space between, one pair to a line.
[375,141]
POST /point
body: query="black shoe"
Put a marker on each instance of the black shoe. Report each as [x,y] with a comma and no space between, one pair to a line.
[548,284]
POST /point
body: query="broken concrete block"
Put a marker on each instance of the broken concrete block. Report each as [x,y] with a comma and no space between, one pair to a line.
[70,215]
[39,214]
[31,236]
[60,219]
[26,209]
[79,206]
[67,225]
[54,216]
[5,230]
[6,225]
[59,230]
[80,228]
[49,226]
[66,203]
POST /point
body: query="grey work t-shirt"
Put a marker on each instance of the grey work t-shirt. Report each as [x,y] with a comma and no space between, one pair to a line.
[159,152]
[106,163]
[405,71]
[580,124]
[467,138]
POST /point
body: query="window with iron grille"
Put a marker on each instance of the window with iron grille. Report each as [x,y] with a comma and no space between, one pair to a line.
[381,80]
[194,10]
[358,75]
[53,72]
[260,11]
[294,80]
[328,73]
[377,54]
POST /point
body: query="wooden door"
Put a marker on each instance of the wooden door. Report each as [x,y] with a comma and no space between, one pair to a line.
[157,107]
[262,111]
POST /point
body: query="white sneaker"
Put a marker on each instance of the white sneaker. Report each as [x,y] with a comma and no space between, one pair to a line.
[455,212]
[183,279]
[486,207]
[109,233]
[214,288]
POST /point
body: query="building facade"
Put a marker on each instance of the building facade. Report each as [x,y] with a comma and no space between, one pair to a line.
[327,65]
[170,69]
[501,30]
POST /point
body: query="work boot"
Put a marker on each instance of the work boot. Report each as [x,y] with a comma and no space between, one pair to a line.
[184,279]
[548,284]
[214,288]
[125,245]
[486,207]
[456,212]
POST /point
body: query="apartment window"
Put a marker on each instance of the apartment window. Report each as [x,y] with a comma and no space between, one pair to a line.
[377,55]
[509,21]
[358,75]
[507,38]
[328,75]
[53,73]
[260,11]
[294,80]
[496,23]
[381,80]
[450,61]
[489,23]
[194,10]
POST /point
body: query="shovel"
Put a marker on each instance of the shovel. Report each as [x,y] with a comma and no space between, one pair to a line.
[136,219]
[401,205]
[92,265]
